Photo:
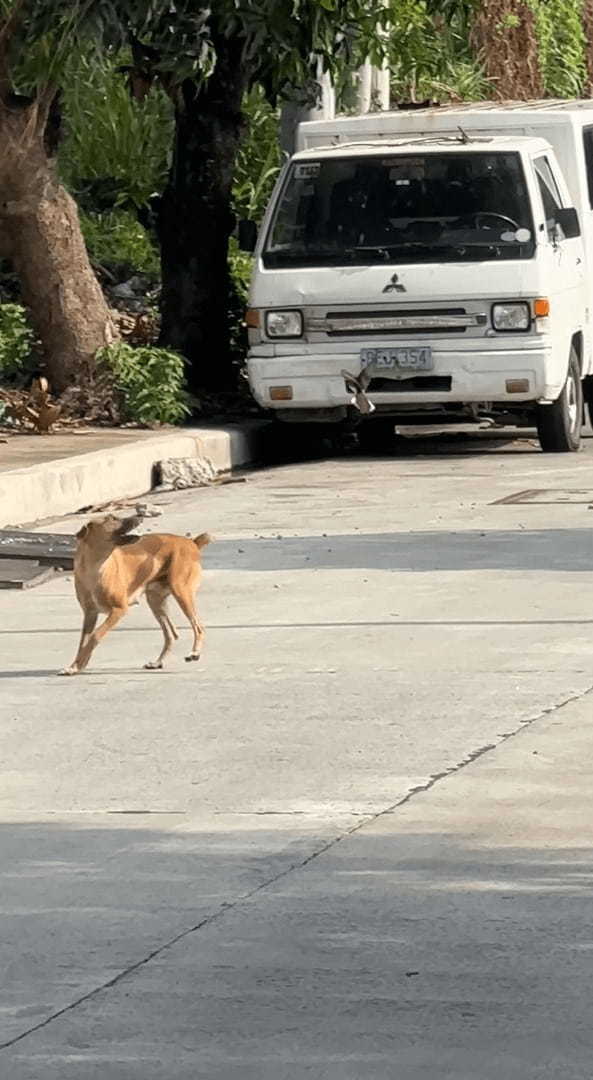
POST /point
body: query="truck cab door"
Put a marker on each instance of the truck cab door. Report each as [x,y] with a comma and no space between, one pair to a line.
[564,258]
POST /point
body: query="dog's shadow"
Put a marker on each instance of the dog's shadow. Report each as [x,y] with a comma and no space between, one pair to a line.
[98,673]
[29,674]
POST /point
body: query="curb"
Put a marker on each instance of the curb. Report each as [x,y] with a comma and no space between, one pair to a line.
[55,488]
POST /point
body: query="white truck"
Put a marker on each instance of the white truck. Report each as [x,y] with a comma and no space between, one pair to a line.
[431,265]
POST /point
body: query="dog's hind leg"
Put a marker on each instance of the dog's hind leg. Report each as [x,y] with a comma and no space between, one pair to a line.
[89,622]
[184,596]
[171,625]
[156,598]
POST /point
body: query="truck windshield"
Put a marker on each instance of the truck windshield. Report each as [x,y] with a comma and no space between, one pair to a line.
[426,207]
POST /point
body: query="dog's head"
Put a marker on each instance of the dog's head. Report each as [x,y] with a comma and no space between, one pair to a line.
[108,529]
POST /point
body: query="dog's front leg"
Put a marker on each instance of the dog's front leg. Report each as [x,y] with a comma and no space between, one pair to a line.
[88,625]
[93,639]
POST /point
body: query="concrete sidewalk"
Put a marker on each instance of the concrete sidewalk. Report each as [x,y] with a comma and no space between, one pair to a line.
[47,476]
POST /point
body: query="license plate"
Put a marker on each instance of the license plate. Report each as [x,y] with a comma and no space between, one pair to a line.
[386,360]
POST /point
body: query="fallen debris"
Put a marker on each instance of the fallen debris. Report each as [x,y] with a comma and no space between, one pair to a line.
[143,510]
[178,473]
[23,573]
[136,328]
[47,549]
[175,474]
[44,549]
[32,408]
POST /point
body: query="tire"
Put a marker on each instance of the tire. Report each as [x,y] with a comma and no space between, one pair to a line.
[559,424]
[588,395]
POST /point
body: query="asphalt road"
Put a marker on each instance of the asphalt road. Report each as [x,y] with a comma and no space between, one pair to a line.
[205,873]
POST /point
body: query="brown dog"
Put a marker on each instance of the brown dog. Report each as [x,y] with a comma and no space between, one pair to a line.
[112,570]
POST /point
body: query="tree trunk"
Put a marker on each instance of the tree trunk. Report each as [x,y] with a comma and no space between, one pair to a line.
[504,40]
[588,30]
[195,222]
[43,240]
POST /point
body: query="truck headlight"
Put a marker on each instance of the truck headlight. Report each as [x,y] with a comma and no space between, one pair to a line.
[515,316]
[284,324]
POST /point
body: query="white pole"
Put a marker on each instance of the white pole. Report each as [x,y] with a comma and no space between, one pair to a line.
[374,82]
[294,114]
[382,75]
[365,87]
[325,109]
[381,87]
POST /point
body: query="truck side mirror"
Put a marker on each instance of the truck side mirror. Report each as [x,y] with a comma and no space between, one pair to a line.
[568,220]
[247,235]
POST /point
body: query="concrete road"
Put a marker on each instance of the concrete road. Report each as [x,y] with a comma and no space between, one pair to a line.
[355,842]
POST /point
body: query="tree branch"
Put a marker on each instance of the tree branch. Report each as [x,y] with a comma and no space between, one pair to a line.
[45,98]
[7,29]
[49,118]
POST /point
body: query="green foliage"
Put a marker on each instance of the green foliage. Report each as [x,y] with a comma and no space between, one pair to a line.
[150,380]
[118,241]
[561,46]
[509,22]
[116,148]
[275,44]
[431,58]
[37,42]
[258,162]
[16,341]
[240,268]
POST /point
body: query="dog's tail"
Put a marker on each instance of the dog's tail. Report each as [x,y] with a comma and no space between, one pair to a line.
[202,540]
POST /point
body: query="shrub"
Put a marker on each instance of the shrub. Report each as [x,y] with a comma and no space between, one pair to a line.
[113,143]
[116,240]
[561,43]
[240,268]
[259,159]
[16,341]
[150,380]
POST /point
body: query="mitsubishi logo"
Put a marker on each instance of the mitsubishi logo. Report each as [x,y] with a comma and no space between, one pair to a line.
[393,285]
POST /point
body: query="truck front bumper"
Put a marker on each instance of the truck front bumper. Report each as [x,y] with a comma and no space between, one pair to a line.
[458,376]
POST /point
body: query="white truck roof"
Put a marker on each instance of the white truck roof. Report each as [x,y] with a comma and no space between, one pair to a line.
[491,117]
[446,144]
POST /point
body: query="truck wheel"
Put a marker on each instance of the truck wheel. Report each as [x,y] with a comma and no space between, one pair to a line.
[559,424]
[588,395]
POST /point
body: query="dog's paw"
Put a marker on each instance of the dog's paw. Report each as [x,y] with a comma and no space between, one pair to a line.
[68,671]
[192,657]
[153,665]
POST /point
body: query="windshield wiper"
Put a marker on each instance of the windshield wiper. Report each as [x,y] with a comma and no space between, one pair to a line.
[405,245]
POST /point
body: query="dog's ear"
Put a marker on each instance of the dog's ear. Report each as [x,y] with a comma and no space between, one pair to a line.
[126,525]
[80,535]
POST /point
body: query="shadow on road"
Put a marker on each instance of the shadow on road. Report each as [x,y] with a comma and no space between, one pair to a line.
[419,552]
[290,444]
[417,947]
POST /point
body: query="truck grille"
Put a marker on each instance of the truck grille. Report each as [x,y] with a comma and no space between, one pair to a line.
[424,321]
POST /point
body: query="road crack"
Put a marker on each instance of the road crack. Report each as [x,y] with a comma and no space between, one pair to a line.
[358,826]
